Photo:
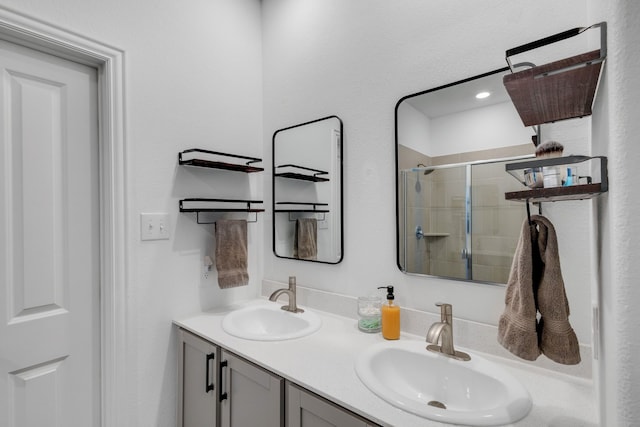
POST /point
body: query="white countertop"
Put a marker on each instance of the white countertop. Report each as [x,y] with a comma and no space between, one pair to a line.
[323,363]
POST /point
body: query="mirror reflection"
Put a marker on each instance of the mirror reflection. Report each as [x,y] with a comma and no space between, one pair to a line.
[452,143]
[307,191]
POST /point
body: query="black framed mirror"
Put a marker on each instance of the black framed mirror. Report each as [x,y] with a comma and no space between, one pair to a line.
[452,141]
[307,191]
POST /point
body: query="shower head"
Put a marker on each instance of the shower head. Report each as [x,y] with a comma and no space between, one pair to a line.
[426,172]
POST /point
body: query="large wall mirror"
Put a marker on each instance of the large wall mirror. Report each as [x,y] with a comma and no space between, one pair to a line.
[307,191]
[452,143]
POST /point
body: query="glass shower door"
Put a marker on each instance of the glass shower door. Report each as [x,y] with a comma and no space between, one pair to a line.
[496,222]
[436,216]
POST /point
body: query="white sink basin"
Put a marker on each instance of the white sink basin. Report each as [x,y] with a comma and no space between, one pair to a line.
[267,322]
[477,392]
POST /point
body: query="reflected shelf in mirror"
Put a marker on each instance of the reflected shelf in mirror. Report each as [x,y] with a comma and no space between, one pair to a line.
[420,233]
[300,172]
[302,207]
[307,167]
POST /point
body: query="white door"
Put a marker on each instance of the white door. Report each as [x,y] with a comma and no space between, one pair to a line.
[49,241]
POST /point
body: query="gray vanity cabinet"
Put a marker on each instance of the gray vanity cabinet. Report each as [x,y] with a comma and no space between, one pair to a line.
[217,388]
[197,381]
[305,409]
[251,396]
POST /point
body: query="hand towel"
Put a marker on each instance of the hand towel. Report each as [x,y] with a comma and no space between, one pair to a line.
[557,338]
[231,253]
[535,287]
[517,326]
[305,241]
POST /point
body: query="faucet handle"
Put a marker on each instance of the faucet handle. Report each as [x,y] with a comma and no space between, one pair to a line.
[446,312]
[292,282]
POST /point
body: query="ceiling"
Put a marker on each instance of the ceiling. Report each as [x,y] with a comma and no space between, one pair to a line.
[461,97]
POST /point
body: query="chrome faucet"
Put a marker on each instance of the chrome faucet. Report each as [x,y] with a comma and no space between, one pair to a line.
[292,307]
[443,331]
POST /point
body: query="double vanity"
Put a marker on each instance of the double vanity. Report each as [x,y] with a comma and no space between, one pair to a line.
[263,363]
[257,364]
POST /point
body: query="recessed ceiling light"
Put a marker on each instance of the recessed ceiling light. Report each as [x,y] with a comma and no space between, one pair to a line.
[483,95]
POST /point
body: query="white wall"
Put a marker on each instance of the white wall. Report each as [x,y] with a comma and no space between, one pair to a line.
[193,76]
[356,59]
[413,129]
[494,126]
[615,132]
[192,79]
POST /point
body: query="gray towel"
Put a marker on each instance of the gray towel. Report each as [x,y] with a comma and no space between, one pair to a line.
[517,326]
[305,241]
[535,286]
[558,341]
[231,253]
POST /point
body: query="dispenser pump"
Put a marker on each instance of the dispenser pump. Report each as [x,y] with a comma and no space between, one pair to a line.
[390,316]
[389,292]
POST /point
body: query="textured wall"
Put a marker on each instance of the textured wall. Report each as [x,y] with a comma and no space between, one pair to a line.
[356,59]
[616,130]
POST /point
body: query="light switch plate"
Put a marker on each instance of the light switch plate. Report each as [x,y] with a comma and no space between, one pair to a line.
[154,226]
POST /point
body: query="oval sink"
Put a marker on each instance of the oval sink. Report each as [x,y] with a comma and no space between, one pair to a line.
[476,392]
[267,322]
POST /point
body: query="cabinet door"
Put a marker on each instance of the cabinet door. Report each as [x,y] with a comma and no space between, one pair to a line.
[250,396]
[197,380]
[305,409]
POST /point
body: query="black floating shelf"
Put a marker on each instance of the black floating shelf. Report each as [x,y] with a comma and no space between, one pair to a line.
[199,206]
[560,90]
[554,194]
[302,173]
[216,164]
[248,205]
[312,204]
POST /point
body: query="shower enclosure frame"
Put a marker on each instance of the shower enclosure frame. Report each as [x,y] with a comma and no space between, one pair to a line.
[466,252]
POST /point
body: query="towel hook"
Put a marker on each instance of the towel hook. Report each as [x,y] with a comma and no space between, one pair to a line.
[529,210]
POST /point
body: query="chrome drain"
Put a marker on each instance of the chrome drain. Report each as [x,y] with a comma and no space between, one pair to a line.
[437,404]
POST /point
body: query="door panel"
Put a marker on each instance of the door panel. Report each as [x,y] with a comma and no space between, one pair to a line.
[254,396]
[307,410]
[49,241]
[197,381]
[36,386]
[36,106]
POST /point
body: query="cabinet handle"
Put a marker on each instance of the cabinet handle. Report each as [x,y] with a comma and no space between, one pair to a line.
[208,383]
[222,395]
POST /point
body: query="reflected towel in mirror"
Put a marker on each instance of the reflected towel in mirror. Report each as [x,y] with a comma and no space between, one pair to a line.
[305,242]
[231,253]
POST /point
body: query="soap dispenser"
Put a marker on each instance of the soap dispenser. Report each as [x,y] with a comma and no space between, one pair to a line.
[390,316]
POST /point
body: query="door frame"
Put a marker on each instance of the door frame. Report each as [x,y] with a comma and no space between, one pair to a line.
[114,249]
